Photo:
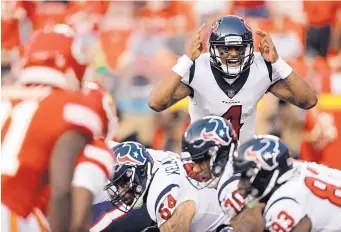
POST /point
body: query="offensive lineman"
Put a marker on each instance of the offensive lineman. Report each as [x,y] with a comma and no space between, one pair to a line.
[208,146]
[230,79]
[158,179]
[299,197]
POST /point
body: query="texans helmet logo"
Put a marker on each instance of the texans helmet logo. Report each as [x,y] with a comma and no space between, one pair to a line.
[214,26]
[263,153]
[217,131]
[130,153]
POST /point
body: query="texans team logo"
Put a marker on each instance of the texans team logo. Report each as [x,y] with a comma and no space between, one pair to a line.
[265,155]
[214,26]
[220,132]
[130,154]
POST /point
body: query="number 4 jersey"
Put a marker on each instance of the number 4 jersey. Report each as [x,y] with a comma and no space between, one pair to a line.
[315,192]
[237,102]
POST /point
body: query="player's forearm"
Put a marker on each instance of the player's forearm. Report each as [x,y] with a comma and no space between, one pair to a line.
[249,220]
[296,91]
[246,226]
[82,200]
[59,212]
[180,221]
[167,92]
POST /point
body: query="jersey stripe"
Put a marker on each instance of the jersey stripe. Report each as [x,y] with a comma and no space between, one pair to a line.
[104,214]
[163,193]
[233,178]
[101,166]
[100,155]
[191,72]
[89,176]
[269,67]
[83,116]
[279,199]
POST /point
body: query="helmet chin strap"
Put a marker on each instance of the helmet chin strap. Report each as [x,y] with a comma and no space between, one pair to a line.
[139,201]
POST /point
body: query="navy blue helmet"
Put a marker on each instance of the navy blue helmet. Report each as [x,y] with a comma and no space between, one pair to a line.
[209,139]
[262,161]
[131,176]
[226,33]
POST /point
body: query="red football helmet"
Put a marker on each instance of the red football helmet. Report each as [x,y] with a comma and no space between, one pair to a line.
[98,94]
[52,57]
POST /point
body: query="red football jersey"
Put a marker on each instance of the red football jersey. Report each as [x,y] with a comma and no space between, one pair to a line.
[32,120]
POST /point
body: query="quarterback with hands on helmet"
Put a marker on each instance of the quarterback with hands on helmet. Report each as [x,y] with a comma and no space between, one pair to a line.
[208,147]
[158,180]
[299,196]
[230,79]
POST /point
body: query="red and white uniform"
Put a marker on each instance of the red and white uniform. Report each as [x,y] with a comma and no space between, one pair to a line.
[315,192]
[94,166]
[32,120]
[35,115]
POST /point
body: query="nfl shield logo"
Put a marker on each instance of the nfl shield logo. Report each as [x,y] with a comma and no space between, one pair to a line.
[230,93]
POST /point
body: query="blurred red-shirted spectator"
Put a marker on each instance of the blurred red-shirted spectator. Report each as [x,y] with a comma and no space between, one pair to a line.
[287,35]
[319,137]
[86,16]
[320,17]
[250,8]
[43,13]
[12,12]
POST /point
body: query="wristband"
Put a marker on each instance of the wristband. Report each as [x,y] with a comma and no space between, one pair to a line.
[281,68]
[182,66]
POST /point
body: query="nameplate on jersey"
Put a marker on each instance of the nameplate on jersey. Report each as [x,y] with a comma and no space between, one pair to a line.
[233,40]
[171,166]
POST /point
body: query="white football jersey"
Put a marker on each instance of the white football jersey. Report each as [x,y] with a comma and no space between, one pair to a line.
[236,102]
[315,192]
[170,187]
[230,201]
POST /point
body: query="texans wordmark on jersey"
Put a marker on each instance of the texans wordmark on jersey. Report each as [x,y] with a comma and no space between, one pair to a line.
[236,102]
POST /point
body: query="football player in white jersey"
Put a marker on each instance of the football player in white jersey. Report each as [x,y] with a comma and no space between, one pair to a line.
[158,179]
[231,78]
[208,147]
[299,197]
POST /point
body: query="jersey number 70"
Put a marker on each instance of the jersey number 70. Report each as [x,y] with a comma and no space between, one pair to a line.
[234,115]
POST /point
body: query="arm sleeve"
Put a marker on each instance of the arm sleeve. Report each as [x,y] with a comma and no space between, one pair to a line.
[231,202]
[283,215]
[84,118]
[166,203]
[93,167]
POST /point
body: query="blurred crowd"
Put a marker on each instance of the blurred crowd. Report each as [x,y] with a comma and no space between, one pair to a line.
[130,46]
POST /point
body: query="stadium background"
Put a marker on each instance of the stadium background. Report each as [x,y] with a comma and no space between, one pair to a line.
[132,45]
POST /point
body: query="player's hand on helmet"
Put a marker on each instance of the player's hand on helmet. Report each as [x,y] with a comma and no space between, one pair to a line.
[267,47]
[195,45]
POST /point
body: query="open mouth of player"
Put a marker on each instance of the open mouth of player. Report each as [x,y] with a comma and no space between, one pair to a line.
[233,62]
